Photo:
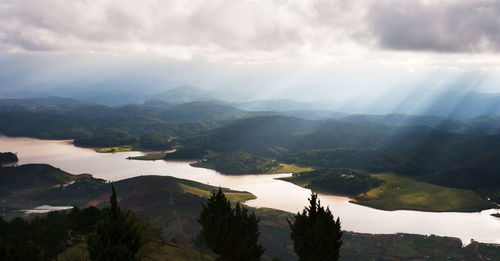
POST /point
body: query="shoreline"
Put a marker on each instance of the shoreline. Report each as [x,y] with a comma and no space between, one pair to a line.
[367,203]
[485,217]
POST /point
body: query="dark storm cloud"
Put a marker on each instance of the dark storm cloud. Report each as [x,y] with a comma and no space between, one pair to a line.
[442,26]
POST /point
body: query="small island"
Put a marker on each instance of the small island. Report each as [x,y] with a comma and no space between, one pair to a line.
[347,182]
[239,162]
[8,157]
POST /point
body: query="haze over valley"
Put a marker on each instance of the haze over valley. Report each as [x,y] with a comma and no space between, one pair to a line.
[207,130]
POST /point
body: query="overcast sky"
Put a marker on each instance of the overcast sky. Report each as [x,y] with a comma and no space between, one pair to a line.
[293,49]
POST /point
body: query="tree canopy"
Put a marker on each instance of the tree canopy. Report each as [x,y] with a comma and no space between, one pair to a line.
[117,235]
[231,233]
[315,233]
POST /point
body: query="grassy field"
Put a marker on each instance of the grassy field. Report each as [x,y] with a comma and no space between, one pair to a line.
[358,246]
[399,192]
[233,196]
[176,252]
[288,168]
[165,251]
[115,149]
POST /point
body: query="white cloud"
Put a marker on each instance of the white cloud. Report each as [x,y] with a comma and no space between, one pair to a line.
[183,28]
[442,26]
[354,32]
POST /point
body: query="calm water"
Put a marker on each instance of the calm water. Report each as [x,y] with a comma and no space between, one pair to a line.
[270,192]
[47,209]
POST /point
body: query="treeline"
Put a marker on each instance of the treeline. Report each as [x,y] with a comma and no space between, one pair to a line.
[367,159]
[187,154]
[276,136]
[180,113]
[116,137]
[89,131]
[233,233]
[43,238]
[101,234]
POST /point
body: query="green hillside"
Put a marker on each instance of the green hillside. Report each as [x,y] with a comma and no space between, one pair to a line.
[174,205]
[398,192]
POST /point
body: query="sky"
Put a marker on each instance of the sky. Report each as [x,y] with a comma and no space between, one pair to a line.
[297,49]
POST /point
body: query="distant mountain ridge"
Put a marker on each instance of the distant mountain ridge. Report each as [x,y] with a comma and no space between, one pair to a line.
[42,101]
[212,110]
[186,94]
[279,105]
[441,104]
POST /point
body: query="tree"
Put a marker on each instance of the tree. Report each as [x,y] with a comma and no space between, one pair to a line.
[315,233]
[200,242]
[54,237]
[8,157]
[230,233]
[116,236]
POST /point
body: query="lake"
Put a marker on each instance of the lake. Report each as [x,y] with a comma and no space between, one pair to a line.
[271,193]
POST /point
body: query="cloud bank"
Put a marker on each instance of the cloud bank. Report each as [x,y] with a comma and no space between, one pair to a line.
[442,26]
[263,29]
[277,46]
[219,29]
[181,29]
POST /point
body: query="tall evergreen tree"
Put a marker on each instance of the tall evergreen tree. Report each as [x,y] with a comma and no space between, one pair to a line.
[117,236]
[315,233]
[231,233]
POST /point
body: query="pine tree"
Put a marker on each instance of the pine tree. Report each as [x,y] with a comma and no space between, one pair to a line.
[199,241]
[230,233]
[315,233]
[116,236]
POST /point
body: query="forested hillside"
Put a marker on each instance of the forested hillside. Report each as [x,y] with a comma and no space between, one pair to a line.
[456,153]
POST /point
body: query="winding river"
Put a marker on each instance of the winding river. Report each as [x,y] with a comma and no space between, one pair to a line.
[270,192]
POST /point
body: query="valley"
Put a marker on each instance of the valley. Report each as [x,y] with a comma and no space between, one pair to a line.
[164,168]
[270,192]
[245,130]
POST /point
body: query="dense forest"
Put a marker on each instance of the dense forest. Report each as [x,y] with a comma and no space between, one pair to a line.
[98,131]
